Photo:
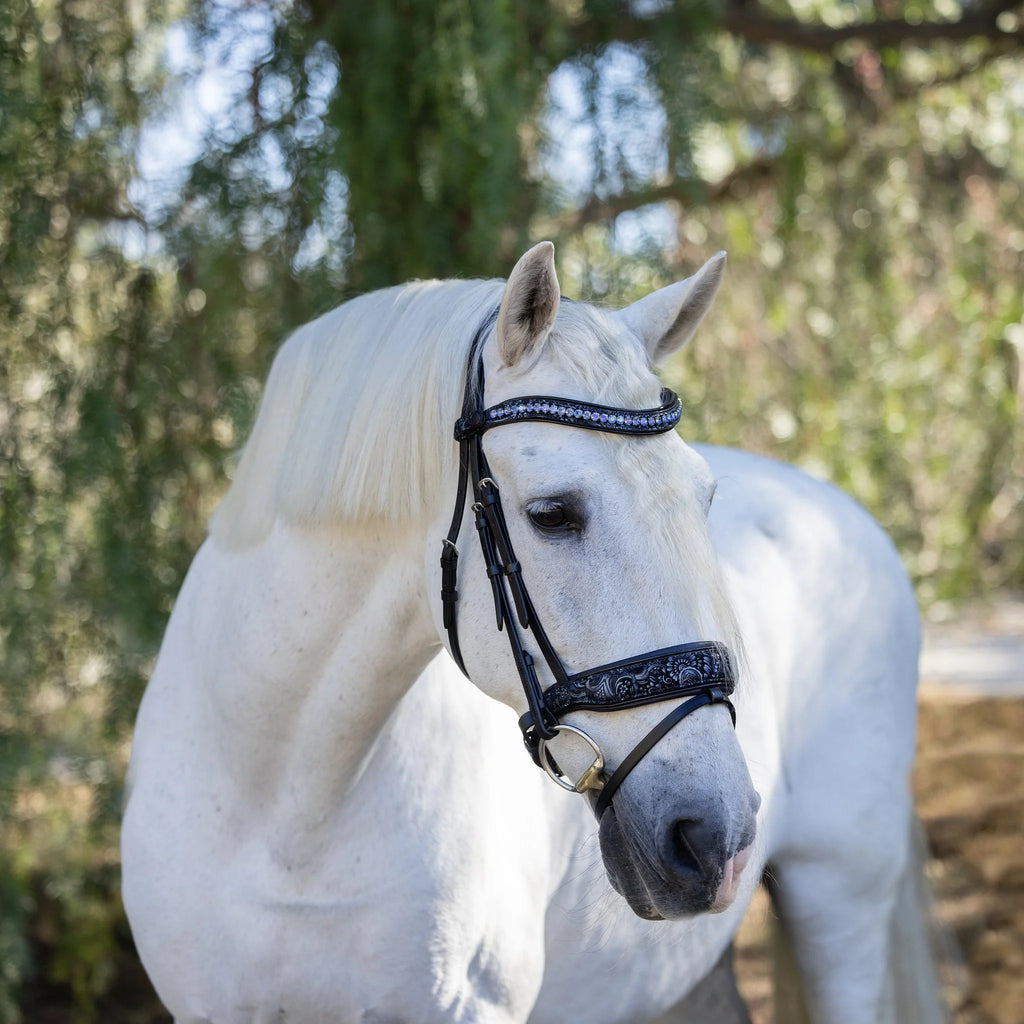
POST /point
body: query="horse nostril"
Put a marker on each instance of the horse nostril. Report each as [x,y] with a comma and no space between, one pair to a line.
[685,843]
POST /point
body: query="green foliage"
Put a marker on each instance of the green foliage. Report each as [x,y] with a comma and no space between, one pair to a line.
[87,579]
[870,326]
[430,114]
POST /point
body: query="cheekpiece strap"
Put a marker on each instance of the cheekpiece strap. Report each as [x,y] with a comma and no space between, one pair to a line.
[648,679]
[542,408]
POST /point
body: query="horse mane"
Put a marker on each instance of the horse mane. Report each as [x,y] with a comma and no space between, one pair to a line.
[356,419]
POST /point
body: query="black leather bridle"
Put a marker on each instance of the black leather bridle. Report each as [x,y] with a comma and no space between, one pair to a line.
[701,672]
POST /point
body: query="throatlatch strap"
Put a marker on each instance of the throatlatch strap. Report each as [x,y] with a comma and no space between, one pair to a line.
[450,568]
[449,550]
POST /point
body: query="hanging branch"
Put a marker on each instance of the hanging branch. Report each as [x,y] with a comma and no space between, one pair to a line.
[996,20]
[748,22]
[685,191]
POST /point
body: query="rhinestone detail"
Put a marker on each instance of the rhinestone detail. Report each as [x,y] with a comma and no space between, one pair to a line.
[578,414]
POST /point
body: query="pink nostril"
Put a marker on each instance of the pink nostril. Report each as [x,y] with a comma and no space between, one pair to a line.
[740,861]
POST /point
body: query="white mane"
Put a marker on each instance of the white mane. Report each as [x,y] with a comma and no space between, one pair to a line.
[356,420]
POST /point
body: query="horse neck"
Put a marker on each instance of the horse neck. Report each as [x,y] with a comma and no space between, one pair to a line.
[311,641]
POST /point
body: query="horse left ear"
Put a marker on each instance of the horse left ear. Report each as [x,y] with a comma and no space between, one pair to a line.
[666,319]
[530,304]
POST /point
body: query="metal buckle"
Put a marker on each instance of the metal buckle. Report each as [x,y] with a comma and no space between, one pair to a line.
[592,778]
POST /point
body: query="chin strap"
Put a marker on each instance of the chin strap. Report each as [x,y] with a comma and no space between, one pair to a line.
[713,695]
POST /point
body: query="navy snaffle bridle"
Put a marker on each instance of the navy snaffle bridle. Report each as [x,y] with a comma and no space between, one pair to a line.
[701,672]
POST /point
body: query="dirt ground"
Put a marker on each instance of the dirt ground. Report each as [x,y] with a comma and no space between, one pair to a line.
[970,791]
[969,784]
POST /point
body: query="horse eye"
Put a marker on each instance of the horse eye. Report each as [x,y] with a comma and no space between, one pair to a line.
[550,516]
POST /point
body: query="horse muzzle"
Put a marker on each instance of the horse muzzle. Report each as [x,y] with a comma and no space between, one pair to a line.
[676,855]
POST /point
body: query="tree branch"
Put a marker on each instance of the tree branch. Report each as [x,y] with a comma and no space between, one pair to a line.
[904,90]
[747,20]
[749,23]
[597,209]
[683,191]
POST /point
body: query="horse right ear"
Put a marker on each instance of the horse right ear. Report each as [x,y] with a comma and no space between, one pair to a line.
[666,319]
[529,306]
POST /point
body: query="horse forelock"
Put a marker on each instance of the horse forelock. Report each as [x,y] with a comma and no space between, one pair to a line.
[602,358]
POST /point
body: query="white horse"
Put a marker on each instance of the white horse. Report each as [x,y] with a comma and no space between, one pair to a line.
[328,823]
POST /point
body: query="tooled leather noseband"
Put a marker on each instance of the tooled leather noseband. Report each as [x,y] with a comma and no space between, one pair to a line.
[701,672]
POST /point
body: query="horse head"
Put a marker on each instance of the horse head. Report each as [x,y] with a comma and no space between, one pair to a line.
[594,547]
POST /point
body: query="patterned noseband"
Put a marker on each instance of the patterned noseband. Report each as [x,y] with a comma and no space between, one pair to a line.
[701,672]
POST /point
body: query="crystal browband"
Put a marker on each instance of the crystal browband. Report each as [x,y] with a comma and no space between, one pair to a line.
[605,418]
[647,679]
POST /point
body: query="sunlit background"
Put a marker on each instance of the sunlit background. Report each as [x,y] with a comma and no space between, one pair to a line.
[181,183]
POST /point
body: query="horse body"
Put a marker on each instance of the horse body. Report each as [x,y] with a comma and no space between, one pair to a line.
[828,609]
[328,822]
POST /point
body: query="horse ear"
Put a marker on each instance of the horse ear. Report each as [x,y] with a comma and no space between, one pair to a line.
[530,304]
[666,319]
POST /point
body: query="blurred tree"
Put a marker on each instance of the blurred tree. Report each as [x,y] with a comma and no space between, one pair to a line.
[93,535]
[861,170]
[856,158]
[432,104]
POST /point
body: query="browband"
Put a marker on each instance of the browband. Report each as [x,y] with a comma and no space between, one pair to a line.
[606,418]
